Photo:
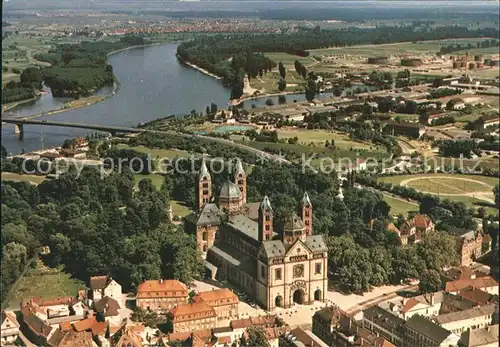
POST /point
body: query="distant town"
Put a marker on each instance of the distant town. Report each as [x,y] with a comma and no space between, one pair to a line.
[329,182]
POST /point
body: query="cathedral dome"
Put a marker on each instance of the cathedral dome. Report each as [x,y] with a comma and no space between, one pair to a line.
[229,190]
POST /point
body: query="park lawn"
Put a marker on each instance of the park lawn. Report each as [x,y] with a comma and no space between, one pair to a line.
[269,82]
[46,283]
[179,208]
[156,153]
[288,60]
[11,176]
[473,202]
[156,179]
[320,136]
[400,207]
[447,186]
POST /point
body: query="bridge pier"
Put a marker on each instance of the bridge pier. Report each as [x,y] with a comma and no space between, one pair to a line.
[19,129]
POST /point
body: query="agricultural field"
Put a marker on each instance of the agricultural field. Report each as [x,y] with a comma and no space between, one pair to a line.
[44,282]
[396,48]
[11,176]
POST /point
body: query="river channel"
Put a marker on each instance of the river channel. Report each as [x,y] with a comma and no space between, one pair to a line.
[154,84]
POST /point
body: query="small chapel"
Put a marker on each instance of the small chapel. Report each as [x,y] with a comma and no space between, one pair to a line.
[276,268]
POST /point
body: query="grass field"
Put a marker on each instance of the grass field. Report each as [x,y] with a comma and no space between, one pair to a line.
[156,180]
[468,192]
[320,136]
[400,178]
[46,283]
[400,207]
[156,153]
[268,83]
[179,209]
[11,176]
[288,60]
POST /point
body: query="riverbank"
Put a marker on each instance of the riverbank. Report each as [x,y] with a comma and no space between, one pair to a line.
[196,67]
[82,102]
[12,105]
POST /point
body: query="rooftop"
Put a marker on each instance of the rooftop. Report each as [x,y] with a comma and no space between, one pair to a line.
[427,328]
[161,288]
[383,318]
[99,282]
[480,282]
[466,314]
[183,312]
[224,295]
[481,337]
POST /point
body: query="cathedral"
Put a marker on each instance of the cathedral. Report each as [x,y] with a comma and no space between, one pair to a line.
[237,239]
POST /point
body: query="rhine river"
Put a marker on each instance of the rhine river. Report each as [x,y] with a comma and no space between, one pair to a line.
[154,84]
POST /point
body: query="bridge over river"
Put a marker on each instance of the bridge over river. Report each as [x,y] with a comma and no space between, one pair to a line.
[114,130]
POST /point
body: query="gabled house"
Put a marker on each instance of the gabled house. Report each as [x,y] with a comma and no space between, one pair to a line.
[420,331]
[9,328]
[413,230]
[102,286]
[223,301]
[108,308]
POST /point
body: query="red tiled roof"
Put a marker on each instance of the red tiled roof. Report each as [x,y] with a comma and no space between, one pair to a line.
[411,303]
[35,324]
[480,282]
[65,326]
[84,324]
[422,221]
[217,297]
[99,328]
[172,337]
[188,312]
[265,321]
[161,288]
[476,295]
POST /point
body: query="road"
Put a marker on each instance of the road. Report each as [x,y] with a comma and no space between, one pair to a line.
[406,147]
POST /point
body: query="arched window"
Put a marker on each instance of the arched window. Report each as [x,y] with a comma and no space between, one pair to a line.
[205,236]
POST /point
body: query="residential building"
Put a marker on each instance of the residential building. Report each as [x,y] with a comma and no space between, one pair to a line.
[276,268]
[426,305]
[191,317]
[461,273]
[325,322]
[461,321]
[421,332]
[305,337]
[102,286]
[478,296]
[125,336]
[484,337]
[109,309]
[412,130]
[485,283]
[469,246]
[413,230]
[71,339]
[161,295]
[9,331]
[223,301]
[383,323]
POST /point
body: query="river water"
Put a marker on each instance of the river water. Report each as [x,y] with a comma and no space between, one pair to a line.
[154,84]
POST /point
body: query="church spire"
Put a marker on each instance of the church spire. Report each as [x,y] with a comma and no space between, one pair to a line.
[265,220]
[204,186]
[240,178]
[305,212]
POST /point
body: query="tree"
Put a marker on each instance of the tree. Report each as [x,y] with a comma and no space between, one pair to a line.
[281,85]
[213,108]
[311,89]
[269,102]
[430,281]
[496,191]
[256,337]
[282,70]
[438,250]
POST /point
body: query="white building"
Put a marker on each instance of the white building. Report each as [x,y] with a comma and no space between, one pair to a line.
[102,286]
